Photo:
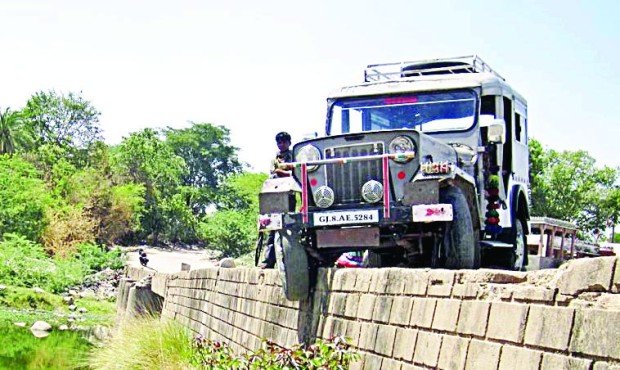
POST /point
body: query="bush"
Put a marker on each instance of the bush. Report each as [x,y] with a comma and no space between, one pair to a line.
[230,232]
[68,228]
[333,353]
[96,257]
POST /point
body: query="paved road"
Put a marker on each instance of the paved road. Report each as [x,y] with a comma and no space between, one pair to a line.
[169,260]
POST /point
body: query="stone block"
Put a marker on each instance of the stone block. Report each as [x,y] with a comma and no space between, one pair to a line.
[397,279]
[353,332]
[453,353]
[440,283]
[549,327]
[352,304]
[605,366]
[482,355]
[507,321]
[596,333]
[554,362]
[344,280]
[385,340]
[492,276]
[417,281]
[389,364]
[427,348]
[535,294]
[615,286]
[401,310]
[368,336]
[473,318]
[379,281]
[366,306]
[587,275]
[467,290]
[363,279]
[518,358]
[372,362]
[422,313]
[337,303]
[383,309]
[446,315]
[404,343]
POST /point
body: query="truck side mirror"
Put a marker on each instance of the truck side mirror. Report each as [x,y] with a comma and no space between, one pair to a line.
[496,130]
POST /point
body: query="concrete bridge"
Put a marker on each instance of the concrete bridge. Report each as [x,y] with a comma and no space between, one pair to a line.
[405,319]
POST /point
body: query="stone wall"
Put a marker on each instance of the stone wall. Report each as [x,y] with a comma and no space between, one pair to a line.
[416,318]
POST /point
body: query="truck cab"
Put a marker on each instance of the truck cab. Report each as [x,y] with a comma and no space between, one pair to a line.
[425,164]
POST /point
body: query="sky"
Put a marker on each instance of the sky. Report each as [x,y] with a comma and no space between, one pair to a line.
[260,67]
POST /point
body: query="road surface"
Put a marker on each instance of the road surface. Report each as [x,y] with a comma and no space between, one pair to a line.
[170,260]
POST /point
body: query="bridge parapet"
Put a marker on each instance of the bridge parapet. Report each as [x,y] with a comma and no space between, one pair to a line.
[412,318]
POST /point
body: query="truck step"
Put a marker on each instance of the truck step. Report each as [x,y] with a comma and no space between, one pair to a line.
[494,244]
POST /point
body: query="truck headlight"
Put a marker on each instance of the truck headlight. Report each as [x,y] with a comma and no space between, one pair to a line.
[308,153]
[403,148]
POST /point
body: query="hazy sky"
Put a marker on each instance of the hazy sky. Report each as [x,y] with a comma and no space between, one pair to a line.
[259,67]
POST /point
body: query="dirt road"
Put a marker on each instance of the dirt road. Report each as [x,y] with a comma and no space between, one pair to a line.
[170,260]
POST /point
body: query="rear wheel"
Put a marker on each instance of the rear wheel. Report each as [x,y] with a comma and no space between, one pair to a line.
[517,258]
[292,262]
[461,249]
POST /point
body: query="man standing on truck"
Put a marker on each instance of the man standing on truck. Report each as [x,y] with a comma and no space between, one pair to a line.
[284,155]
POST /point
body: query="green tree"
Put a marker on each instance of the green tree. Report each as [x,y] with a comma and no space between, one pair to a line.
[64,120]
[14,134]
[210,159]
[232,229]
[144,158]
[568,185]
[24,198]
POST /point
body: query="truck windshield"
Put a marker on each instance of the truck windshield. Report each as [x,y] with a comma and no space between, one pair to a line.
[428,112]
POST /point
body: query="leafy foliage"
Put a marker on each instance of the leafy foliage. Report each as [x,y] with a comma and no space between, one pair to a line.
[568,185]
[14,134]
[24,198]
[333,353]
[67,121]
[232,229]
[143,158]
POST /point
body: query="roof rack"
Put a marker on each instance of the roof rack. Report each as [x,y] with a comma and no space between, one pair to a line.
[395,71]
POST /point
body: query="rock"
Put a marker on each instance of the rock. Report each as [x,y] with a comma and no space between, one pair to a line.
[2,287]
[41,326]
[63,327]
[20,324]
[82,310]
[72,307]
[87,293]
[73,292]
[68,300]
[38,290]
[227,262]
[586,275]
[40,333]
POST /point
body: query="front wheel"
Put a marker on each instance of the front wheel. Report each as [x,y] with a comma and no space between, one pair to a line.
[292,262]
[461,248]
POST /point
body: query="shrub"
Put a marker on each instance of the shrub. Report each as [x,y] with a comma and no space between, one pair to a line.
[68,228]
[96,257]
[230,232]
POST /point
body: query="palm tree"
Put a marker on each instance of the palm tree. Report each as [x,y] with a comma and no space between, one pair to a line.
[14,134]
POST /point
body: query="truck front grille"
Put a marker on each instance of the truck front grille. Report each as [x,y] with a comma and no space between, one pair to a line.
[346,179]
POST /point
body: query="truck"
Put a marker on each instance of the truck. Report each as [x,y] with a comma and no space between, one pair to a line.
[424,164]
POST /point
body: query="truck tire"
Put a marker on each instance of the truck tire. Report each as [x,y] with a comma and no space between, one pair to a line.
[461,248]
[517,257]
[292,263]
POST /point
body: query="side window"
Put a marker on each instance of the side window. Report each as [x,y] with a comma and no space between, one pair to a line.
[518,127]
[487,106]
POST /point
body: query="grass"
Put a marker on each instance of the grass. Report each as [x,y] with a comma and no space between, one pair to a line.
[146,343]
[19,304]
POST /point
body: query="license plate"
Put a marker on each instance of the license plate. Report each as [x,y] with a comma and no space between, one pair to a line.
[431,212]
[346,217]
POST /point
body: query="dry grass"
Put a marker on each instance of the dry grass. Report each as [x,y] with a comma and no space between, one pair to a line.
[145,344]
[67,229]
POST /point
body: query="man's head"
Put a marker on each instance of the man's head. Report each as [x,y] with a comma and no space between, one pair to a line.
[283,139]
